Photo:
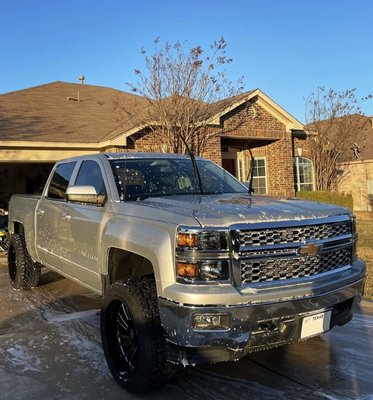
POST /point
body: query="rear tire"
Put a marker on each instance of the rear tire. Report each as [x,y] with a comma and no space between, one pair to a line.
[23,272]
[132,336]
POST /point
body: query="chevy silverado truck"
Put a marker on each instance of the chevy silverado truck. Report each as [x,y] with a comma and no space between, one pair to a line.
[190,272]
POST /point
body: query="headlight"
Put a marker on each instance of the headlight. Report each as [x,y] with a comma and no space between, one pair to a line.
[205,240]
[203,271]
[202,255]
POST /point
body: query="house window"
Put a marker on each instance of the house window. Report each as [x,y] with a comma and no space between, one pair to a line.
[303,172]
[260,175]
[241,176]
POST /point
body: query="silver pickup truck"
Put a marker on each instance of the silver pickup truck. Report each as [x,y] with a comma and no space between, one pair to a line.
[190,272]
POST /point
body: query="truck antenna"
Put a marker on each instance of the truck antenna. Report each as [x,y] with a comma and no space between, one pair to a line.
[252,165]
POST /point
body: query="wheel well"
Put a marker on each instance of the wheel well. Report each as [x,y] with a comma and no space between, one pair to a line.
[18,228]
[124,265]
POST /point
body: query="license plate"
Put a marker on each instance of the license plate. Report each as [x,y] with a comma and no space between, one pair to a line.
[315,324]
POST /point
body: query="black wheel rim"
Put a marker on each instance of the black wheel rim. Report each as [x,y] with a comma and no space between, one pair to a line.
[122,339]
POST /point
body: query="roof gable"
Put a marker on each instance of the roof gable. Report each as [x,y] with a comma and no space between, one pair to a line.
[264,101]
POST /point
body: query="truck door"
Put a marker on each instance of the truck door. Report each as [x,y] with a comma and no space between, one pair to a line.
[68,233]
[85,223]
[52,230]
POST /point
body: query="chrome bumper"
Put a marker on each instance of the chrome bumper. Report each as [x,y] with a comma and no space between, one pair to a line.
[255,326]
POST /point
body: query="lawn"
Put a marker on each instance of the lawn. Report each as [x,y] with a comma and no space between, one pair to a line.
[365,251]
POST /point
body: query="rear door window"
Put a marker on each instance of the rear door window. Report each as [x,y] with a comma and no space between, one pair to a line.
[60,181]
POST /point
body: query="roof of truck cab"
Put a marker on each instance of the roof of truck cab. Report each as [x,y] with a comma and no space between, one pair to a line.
[136,155]
[129,156]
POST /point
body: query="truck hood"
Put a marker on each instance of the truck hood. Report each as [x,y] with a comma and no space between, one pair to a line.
[228,209]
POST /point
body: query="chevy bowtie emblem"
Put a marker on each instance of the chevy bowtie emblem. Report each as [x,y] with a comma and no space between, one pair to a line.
[310,249]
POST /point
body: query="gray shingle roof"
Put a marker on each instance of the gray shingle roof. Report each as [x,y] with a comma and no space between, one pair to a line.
[62,112]
[76,113]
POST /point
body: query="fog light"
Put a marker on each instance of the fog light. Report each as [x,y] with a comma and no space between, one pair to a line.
[210,321]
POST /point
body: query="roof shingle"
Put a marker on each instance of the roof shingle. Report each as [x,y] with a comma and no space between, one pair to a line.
[62,112]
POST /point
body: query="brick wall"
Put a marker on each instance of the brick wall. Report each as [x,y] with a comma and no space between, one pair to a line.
[213,150]
[280,168]
[280,176]
[355,180]
[264,134]
[237,123]
[278,150]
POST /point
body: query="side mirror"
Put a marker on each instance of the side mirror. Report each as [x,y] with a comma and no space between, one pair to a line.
[85,194]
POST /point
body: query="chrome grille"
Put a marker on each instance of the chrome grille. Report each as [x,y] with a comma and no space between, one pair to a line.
[299,234]
[279,268]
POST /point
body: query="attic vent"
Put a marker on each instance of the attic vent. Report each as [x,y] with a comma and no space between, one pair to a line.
[251,112]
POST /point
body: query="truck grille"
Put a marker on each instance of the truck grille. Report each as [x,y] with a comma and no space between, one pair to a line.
[300,234]
[266,270]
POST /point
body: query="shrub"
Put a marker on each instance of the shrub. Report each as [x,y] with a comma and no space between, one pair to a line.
[344,200]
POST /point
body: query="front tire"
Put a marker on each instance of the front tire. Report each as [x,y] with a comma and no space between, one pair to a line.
[23,272]
[132,336]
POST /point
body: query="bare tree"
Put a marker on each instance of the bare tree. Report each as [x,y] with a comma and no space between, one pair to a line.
[337,132]
[182,89]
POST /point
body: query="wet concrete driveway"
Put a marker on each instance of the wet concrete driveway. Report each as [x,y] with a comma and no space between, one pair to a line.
[50,349]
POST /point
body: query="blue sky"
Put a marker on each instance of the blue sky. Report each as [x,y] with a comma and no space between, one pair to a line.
[284,47]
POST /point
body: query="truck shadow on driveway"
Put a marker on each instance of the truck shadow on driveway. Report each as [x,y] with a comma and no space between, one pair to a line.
[50,347]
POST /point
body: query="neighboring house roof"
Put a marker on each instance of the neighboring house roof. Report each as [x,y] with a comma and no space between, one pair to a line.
[61,113]
[367,151]
[362,145]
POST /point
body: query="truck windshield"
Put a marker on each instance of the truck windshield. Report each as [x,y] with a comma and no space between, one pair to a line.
[139,179]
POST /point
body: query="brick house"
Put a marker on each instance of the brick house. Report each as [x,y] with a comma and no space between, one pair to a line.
[45,123]
[356,172]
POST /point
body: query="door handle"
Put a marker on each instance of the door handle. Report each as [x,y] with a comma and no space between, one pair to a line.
[40,212]
[66,217]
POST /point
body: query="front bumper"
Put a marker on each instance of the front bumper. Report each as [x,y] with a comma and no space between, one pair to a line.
[256,325]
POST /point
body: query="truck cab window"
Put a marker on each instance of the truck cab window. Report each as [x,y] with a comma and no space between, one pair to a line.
[60,181]
[90,175]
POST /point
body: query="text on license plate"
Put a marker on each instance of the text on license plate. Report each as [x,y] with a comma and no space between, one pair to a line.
[315,324]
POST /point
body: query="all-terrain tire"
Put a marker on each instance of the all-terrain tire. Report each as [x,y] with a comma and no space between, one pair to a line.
[23,272]
[132,336]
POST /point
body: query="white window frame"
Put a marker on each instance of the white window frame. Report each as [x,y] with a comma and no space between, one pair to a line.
[240,169]
[298,184]
[261,176]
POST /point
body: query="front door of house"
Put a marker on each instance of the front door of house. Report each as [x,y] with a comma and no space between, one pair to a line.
[229,165]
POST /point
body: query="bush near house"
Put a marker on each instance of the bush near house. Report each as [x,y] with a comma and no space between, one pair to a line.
[364,228]
[344,200]
[365,251]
